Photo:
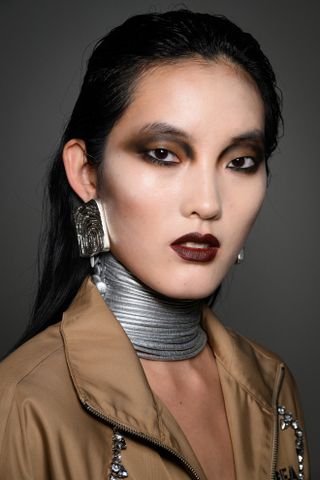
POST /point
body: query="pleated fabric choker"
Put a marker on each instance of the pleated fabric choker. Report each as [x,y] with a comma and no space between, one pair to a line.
[159,327]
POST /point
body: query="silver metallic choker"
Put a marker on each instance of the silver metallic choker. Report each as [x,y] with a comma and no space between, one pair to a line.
[159,327]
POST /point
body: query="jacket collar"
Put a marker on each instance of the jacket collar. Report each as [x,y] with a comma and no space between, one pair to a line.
[107,374]
[249,364]
[105,369]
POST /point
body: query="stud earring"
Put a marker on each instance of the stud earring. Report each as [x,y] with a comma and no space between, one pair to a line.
[91,227]
[240,257]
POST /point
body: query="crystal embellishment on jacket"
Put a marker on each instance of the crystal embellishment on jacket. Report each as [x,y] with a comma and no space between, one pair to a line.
[287,420]
[117,470]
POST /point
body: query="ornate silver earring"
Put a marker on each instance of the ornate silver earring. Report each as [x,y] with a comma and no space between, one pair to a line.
[91,227]
[240,257]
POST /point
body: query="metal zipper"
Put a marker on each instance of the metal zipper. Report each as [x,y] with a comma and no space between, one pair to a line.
[141,436]
[275,449]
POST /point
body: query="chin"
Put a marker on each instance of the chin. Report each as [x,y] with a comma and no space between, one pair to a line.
[183,283]
[187,292]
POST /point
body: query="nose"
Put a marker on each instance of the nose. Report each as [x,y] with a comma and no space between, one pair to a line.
[202,194]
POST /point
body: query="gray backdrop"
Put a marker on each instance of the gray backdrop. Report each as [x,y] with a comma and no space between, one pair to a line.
[273,297]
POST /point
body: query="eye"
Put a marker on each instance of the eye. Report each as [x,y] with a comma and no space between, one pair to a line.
[243,163]
[161,156]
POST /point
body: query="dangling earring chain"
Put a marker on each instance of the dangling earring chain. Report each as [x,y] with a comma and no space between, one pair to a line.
[240,257]
[96,276]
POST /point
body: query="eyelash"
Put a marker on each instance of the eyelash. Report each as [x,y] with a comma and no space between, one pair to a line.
[256,160]
[157,161]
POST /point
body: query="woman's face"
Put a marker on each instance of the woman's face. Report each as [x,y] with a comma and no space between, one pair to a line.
[187,156]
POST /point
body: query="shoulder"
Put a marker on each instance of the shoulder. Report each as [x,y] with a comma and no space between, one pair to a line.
[41,416]
[29,374]
[261,353]
[255,367]
[263,358]
[255,348]
[240,356]
[29,357]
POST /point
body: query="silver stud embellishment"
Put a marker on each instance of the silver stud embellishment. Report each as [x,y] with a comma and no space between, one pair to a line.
[288,421]
[117,469]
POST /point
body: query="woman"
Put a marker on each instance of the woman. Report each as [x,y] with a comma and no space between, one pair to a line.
[161,172]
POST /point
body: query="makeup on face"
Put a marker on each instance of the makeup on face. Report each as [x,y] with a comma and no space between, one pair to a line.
[184,177]
[170,145]
[196,247]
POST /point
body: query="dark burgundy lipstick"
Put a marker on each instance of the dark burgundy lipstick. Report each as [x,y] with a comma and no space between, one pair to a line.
[206,251]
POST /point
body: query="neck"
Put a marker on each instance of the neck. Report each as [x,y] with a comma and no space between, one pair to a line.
[159,327]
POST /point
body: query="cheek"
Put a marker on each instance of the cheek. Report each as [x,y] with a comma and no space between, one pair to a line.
[136,206]
[245,205]
[240,212]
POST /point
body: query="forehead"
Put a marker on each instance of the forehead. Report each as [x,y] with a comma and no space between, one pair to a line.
[202,97]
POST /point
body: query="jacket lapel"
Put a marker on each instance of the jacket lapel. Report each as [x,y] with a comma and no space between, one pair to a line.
[248,376]
[108,375]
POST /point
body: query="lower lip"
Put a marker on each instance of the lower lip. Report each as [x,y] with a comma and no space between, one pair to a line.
[195,254]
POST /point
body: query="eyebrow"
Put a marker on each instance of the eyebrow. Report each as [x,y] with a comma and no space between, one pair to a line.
[255,135]
[163,128]
[254,138]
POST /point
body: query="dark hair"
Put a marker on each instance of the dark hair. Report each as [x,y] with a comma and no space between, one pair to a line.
[115,66]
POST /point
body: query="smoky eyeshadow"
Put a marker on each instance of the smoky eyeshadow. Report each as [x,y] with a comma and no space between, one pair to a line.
[141,143]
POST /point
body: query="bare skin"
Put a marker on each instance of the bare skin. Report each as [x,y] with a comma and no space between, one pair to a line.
[192,392]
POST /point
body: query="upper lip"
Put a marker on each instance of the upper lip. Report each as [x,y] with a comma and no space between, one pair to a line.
[198,238]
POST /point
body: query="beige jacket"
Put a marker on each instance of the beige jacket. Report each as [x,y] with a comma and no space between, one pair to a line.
[64,391]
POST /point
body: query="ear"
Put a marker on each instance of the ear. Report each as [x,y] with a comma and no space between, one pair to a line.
[81,175]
